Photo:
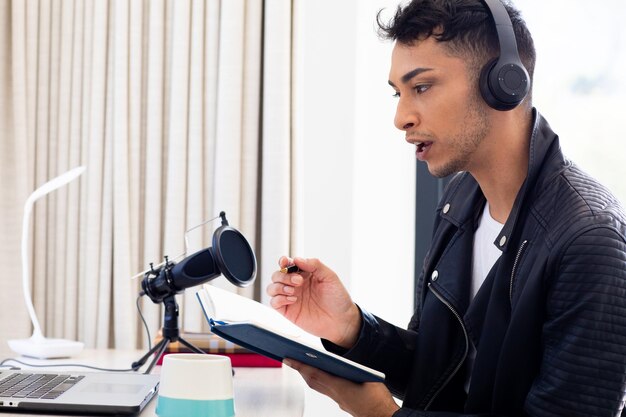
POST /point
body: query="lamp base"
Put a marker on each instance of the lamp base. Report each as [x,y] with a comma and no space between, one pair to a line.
[43,348]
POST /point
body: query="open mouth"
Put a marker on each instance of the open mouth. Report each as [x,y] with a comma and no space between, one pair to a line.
[423,146]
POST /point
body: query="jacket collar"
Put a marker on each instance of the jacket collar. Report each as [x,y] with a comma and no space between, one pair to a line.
[458,207]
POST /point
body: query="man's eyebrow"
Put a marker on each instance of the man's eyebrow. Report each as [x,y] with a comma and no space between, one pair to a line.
[409,75]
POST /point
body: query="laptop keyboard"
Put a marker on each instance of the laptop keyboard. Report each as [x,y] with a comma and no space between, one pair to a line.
[43,386]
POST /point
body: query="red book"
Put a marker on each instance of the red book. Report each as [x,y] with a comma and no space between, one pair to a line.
[243,360]
[210,343]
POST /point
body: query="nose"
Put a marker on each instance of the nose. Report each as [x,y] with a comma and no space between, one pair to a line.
[406,115]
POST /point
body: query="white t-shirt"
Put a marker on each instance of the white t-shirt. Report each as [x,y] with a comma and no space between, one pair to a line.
[484,256]
[485,253]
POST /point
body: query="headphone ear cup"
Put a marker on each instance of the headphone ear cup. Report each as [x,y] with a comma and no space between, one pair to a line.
[483,83]
[503,86]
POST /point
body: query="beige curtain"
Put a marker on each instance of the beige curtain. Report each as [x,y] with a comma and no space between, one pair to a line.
[179,109]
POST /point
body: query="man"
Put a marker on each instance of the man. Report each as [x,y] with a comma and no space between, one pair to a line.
[521,304]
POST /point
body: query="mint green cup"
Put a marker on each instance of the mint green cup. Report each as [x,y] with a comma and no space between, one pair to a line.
[195,385]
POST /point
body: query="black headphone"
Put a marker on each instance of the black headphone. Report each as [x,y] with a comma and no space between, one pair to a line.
[504,82]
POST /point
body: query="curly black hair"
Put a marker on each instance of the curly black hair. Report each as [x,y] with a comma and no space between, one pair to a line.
[464,26]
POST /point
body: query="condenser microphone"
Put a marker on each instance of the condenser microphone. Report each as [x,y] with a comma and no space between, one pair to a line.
[230,255]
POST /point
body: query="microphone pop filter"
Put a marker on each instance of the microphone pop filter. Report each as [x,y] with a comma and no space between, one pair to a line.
[234,256]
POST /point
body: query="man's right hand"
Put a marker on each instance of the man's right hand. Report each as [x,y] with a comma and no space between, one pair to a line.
[316,301]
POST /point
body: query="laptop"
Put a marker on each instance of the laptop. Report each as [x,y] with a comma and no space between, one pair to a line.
[103,393]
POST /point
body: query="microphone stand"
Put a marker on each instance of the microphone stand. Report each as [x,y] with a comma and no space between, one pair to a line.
[161,284]
[171,334]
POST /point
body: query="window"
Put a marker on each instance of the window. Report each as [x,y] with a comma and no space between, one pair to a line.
[579,81]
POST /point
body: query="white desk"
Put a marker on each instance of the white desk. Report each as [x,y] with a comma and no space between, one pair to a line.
[259,392]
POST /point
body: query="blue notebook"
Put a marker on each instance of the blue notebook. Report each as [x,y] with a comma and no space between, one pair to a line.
[260,339]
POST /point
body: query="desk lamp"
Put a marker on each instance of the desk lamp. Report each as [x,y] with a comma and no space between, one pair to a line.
[38,346]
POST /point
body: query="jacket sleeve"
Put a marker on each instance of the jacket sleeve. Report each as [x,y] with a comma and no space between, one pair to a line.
[388,348]
[583,370]
[405,412]
[384,347]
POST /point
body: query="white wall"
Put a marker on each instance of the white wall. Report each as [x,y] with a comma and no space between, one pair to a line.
[354,172]
[355,175]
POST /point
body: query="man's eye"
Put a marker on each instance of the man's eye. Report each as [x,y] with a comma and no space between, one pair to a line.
[421,88]
[396,94]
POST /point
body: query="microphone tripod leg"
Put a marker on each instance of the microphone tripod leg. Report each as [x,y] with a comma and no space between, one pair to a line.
[158,347]
[158,355]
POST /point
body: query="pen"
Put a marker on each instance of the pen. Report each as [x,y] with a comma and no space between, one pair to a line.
[290,269]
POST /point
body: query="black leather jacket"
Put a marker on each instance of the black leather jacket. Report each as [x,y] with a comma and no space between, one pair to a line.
[549,322]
